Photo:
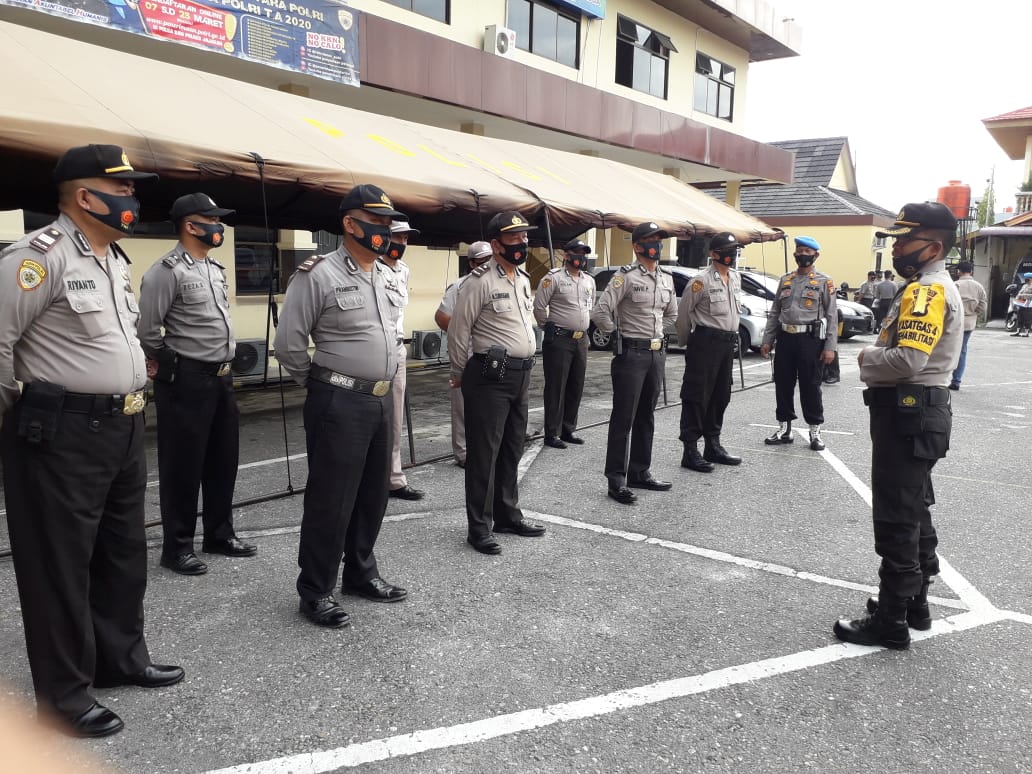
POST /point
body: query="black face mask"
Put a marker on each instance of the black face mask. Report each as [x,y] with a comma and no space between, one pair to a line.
[908,265]
[515,254]
[212,235]
[123,211]
[374,238]
[396,250]
[726,258]
[577,261]
[804,260]
[652,250]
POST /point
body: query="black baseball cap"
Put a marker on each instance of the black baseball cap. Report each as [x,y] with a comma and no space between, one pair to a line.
[918,215]
[872,274]
[197,204]
[577,246]
[97,161]
[371,199]
[643,230]
[509,222]
[723,242]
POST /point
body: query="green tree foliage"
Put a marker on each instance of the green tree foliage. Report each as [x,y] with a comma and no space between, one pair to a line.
[987,206]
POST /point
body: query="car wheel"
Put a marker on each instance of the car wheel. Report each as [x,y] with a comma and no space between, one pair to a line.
[744,342]
[599,340]
[846,336]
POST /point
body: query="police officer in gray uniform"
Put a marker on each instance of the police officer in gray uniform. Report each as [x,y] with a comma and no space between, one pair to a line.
[636,305]
[477,254]
[865,294]
[707,325]
[186,293]
[562,306]
[803,323]
[72,443]
[348,303]
[491,348]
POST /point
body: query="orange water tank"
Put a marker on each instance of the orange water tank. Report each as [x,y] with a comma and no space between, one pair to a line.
[956,196]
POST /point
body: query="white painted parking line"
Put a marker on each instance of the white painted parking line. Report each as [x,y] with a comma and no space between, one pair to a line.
[443,737]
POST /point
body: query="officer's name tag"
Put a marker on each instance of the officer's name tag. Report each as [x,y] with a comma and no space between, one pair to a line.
[349,297]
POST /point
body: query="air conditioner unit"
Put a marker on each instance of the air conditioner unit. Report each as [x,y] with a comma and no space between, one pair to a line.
[250,360]
[499,40]
[429,345]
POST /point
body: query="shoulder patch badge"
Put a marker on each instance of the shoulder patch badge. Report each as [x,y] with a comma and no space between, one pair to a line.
[617,281]
[30,275]
[546,283]
[696,286]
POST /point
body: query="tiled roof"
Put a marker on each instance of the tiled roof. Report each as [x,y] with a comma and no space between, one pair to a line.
[1014,115]
[773,201]
[815,160]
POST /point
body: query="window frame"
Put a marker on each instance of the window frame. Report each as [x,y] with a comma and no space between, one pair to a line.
[561,14]
[714,82]
[407,5]
[631,38]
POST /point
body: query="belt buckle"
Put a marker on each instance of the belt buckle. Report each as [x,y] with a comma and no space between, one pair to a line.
[133,403]
[381,388]
[791,328]
[655,344]
[224,369]
[577,335]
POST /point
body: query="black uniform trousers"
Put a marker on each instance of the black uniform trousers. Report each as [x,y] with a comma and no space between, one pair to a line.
[75,511]
[198,452]
[903,455]
[706,386]
[797,356]
[637,381]
[565,362]
[348,438]
[496,431]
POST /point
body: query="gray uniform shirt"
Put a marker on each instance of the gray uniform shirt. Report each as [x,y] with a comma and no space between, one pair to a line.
[885,290]
[974,298]
[491,311]
[921,335]
[190,299]
[402,271]
[709,302]
[350,314]
[565,300]
[67,316]
[642,301]
[802,299]
[866,291]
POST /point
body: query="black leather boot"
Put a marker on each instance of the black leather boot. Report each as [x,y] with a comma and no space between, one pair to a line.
[692,460]
[886,627]
[714,452]
[918,615]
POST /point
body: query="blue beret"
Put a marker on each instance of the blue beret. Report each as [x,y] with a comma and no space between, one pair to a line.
[1027,275]
[810,242]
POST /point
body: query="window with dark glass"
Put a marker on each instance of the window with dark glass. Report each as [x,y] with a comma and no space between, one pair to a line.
[714,87]
[642,57]
[435,9]
[545,30]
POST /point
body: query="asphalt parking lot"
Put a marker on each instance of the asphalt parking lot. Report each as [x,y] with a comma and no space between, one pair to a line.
[691,632]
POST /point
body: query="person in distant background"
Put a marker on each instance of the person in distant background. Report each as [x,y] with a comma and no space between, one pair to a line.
[976,301]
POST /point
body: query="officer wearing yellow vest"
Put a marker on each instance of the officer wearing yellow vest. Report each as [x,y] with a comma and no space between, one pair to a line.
[907,372]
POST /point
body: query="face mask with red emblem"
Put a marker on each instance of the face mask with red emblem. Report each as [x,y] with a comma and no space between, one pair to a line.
[123,211]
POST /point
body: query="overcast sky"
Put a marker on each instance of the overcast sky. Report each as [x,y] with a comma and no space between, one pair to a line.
[908,82]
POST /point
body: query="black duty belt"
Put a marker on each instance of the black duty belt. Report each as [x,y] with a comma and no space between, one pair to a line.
[353,383]
[568,332]
[110,405]
[513,364]
[399,341]
[202,367]
[887,396]
[715,333]
[651,344]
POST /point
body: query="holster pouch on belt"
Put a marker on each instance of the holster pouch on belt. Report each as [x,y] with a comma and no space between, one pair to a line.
[167,361]
[495,363]
[549,336]
[40,411]
[819,329]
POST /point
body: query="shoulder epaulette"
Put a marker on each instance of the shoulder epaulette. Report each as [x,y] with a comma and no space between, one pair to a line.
[170,260]
[480,271]
[117,249]
[627,269]
[216,263]
[310,263]
[45,240]
[556,270]
[666,271]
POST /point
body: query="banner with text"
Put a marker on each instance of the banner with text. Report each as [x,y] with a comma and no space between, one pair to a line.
[315,37]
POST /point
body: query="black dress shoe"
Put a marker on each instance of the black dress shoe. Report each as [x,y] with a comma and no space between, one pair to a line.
[325,612]
[153,676]
[831,380]
[571,438]
[376,590]
[718,454]
[623,495]
[694,461]
[521,528]
[96,721]
[485,544]
[650,483]
[185,564]
[554,442]
[229,547]
[406,493]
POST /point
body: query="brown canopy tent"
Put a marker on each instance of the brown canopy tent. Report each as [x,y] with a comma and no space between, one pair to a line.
[202,131]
